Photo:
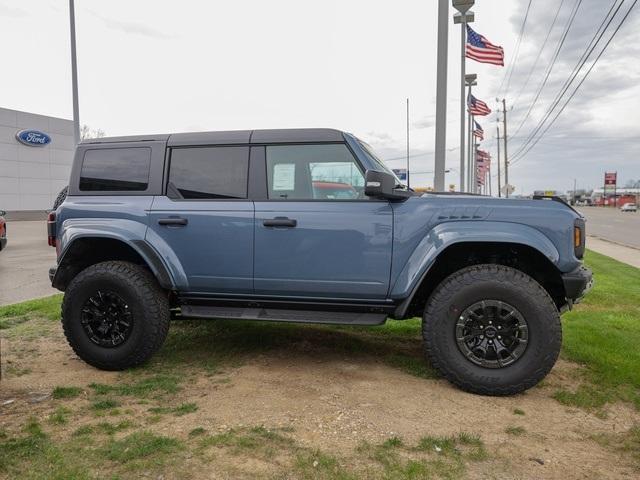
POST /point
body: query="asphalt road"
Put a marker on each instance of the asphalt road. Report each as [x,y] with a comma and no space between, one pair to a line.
[25,262]
[613,225]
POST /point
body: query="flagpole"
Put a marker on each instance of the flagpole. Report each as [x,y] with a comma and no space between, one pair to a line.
[470,152]
[441,96]
[474,165]
[463,17]
[470,81]
[498,143]
[462,102]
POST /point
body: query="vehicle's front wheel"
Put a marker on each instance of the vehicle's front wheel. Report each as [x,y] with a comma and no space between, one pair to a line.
[492,330]
[115,315]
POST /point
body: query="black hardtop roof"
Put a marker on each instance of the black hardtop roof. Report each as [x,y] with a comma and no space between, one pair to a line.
[284,135]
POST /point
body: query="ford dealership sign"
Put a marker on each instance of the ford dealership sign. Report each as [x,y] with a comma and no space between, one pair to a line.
[33,138]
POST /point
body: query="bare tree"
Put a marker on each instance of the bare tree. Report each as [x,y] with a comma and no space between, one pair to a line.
[87,132]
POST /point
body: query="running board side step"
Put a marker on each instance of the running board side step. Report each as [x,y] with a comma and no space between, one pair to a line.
[283,315]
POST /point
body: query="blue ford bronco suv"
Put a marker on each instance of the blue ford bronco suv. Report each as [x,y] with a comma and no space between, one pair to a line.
[307,225]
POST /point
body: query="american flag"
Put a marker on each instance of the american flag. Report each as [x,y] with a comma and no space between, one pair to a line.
[482,157]
[478,132]
[477,107]
[481,154]
[482,50]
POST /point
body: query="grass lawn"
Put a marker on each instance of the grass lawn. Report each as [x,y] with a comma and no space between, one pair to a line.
[603,333]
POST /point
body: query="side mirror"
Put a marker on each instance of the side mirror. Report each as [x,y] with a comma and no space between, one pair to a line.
[383,185]
[2,213]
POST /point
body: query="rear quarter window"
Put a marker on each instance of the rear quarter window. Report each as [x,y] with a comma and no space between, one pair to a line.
[115,169]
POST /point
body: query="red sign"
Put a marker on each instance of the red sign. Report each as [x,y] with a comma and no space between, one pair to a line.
[610,178]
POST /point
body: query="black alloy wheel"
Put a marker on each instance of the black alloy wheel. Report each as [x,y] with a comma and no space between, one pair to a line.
[492,334]
[106,319]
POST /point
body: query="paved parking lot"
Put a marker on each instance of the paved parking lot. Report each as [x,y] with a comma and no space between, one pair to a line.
[24,264]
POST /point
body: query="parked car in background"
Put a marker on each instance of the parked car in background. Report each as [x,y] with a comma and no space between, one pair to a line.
[629,207]
[308,226]
[334,191]
[3,230]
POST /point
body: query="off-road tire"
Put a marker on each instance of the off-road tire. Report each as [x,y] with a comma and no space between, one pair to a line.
[491,282]
[149,307]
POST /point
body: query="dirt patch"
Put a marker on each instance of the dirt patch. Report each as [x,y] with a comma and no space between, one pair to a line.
[321,398]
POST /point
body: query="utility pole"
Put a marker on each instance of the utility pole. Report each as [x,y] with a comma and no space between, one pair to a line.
[506,156]
[441,97]
[74,73]
[463,17]
[574,190]
[498,143]
[408,185]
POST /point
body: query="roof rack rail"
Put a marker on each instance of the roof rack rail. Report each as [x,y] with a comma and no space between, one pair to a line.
[554,198]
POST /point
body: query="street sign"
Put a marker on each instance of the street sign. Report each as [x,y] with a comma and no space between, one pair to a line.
[610,178]
[508,188]
[401,173]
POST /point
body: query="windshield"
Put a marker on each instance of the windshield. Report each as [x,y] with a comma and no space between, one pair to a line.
[369,151]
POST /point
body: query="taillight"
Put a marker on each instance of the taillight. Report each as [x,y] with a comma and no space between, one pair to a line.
[51,229]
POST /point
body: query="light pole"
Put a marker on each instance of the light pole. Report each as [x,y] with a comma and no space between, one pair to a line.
[441,95]
[74,73]
[408,184]
[463,17]
[470,81]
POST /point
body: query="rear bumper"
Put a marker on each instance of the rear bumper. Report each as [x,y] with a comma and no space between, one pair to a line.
[577,283]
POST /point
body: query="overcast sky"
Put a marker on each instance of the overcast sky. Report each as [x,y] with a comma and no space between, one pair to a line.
[149,66]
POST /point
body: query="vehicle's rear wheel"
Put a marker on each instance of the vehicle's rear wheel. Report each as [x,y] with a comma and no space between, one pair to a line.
[115,315]
[492,330]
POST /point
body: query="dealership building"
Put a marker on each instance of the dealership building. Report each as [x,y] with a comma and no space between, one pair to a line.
[36,153]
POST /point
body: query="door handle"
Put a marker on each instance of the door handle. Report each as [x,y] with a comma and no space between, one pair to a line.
[175,221]
[280,222]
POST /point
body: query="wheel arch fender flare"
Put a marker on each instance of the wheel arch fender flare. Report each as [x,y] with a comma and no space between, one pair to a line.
[444,235]
[129,233]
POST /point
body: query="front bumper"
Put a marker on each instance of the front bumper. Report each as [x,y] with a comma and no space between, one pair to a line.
[577,283]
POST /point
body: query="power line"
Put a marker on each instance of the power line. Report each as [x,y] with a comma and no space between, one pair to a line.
[581,81]
[574,73]
[544,44]
[514,60]
[552,63]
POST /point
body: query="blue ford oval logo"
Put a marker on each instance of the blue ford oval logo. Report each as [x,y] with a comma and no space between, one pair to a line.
[33,138]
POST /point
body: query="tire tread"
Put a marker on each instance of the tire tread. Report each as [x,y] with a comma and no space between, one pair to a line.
[155,303]
[509,277]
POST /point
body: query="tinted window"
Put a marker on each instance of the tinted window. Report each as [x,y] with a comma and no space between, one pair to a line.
[115,169]
[313,172]
[210,172]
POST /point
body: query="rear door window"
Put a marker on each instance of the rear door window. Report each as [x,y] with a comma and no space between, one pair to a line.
[115,169]
[210,172]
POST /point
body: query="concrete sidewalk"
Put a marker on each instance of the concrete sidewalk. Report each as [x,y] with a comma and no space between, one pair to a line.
[622,253]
